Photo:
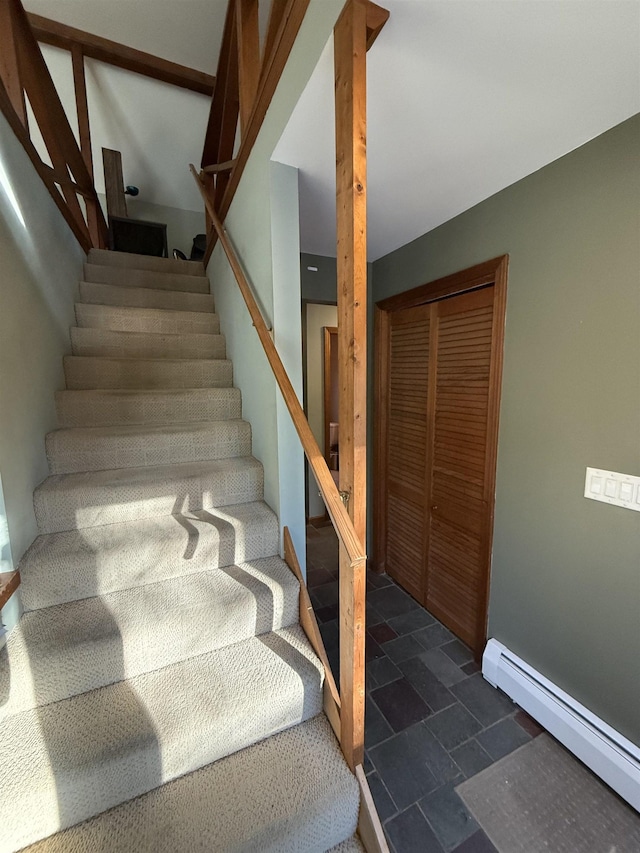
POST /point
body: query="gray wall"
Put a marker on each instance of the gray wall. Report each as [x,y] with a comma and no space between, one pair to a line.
[287,336]
[565,583]
[320,286]
[41,265]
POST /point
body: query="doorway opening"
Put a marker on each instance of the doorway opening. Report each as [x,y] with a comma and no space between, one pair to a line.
[331,401]
[319,323]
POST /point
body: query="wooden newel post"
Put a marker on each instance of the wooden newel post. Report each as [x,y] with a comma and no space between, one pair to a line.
[350,52]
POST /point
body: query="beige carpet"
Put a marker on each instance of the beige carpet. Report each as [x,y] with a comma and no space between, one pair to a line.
[540,799]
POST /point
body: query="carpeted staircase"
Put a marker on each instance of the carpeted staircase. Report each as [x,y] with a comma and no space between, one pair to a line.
[159,693]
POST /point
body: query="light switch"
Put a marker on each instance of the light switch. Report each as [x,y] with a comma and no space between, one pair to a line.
[626,491]
[613,488]
[596,485]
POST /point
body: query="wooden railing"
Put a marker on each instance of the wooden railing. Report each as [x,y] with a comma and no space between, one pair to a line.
[246,78]
[330,494]
[243,90]
[24,77]
[346,715]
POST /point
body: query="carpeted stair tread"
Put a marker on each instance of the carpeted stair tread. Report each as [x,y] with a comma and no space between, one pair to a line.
[111,407]
[351,845]
[140,297]
[158,320]
[105,342]
[131,260]
[87,499]
[129,277]
[68,649]
[131,446]
[77,564]
[65,762]
[159,694]
[292,793]
[94,372]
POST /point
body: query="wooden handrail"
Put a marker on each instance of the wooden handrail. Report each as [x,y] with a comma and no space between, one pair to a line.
[336,509]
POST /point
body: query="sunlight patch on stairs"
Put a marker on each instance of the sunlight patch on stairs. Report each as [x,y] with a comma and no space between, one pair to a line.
[159,693]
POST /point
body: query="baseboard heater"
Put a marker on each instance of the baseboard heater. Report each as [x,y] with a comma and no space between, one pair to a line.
[608,753]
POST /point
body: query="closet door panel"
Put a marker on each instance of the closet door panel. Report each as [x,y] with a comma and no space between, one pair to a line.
[407,424]
[457,506]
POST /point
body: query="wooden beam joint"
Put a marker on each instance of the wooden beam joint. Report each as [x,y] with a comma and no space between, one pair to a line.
[63,36]
[377,17]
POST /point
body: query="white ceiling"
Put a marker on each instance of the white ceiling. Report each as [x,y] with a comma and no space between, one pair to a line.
[185,31]
[465,97]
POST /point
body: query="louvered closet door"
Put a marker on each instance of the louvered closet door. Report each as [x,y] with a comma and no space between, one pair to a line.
[459,504]
[407,493]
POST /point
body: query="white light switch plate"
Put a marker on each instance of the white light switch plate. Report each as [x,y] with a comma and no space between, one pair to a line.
[613,488]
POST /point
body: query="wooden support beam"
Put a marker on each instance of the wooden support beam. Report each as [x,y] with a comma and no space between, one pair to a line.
[350,59]
[271,72]
[214,124]
[216,168]
[208,182]
[49,112]
[229,123]
[223,116]
[95,219]
[114,183]
[377,17]
[9,64]
[79,230]
[310,627]
[82,106]
[276,16]
[369,826]
[63,179]
[114,53]
[47,109]
[248,34]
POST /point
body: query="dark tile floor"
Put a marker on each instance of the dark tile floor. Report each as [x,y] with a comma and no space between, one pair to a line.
[431,719]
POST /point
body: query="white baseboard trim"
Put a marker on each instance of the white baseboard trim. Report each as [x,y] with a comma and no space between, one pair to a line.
[608,753]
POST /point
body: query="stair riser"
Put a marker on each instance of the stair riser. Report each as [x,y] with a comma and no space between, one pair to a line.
[85,372]
[69,452]
[123,277]
[109,294]
[70,761]
[72,648]
[74,565]
[112,408]
[90,501]
[105,257]
[291,793]
[150,320]
[102,342]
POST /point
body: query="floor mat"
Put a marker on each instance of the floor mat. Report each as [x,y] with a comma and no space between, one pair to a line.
[540,799]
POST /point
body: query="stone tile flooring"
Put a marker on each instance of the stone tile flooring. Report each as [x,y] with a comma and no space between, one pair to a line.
[431,719]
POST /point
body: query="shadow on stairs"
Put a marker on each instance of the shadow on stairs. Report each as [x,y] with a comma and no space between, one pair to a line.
[159,693]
